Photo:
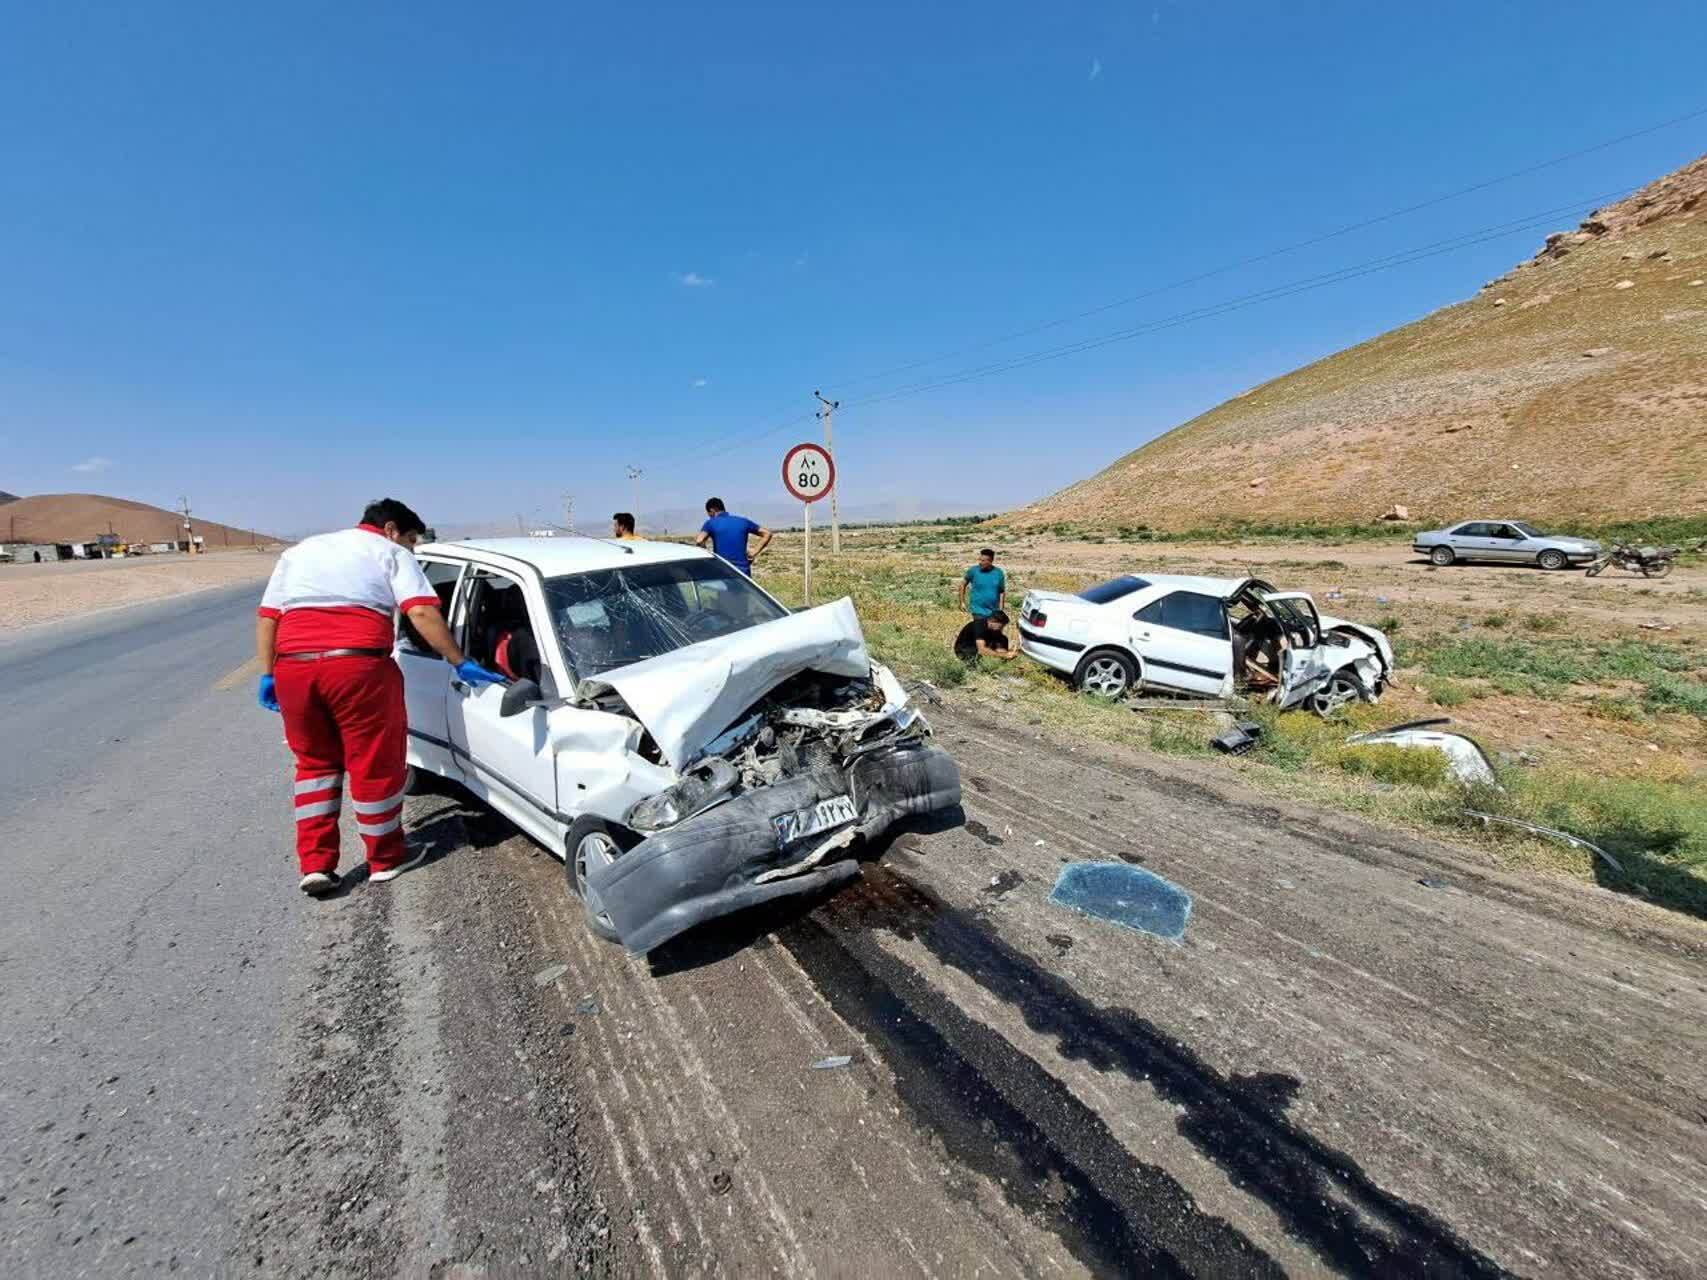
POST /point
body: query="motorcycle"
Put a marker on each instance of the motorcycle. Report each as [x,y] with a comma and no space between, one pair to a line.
[1649,561]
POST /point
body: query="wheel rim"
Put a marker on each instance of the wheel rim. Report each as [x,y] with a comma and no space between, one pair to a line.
[1552,560]
[1105,677]
[1339,691]
[596,849]
[1441,555]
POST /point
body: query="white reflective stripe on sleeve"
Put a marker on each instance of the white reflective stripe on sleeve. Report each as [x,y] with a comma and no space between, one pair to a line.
[317,809]
[318,784]
[380,806]
[381,828]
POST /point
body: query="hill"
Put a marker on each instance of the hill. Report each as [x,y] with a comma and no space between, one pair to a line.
[1572,388]
[82,517]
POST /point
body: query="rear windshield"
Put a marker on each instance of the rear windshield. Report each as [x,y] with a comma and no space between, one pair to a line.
[612,617]
[1113,589]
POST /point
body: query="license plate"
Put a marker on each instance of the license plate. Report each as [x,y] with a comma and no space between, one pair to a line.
[834,812]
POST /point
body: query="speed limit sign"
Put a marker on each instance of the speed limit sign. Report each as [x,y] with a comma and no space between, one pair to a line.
[808,472]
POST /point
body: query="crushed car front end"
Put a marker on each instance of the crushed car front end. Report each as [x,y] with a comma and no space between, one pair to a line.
[787,745]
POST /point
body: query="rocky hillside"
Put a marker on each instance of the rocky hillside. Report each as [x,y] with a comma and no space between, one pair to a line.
[83,517]
[1574,387]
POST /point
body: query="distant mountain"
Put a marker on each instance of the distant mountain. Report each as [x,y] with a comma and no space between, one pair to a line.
[1573,387]
[83,517]
[7,497]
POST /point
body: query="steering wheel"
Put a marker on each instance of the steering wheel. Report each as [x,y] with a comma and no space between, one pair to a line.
[704,624]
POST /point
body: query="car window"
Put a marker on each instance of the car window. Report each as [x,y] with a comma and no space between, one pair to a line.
[496,621]
[1187,611]
[1505,531]
[613,617]
[443,575]
[1527,530]
[1113,589]
[1474,529]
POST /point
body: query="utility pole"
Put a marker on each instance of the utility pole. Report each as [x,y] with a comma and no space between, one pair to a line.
[827,413]
[569,512]
[634,474]
[189,528]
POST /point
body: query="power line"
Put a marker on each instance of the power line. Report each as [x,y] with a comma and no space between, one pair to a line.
[1276,253]
[746,440]
[1304,285]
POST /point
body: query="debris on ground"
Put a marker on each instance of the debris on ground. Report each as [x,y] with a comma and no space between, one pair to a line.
[545,977]
[1398,511]
[588,1005]
[1470,764]
[1434,882]
[832,1062]
[1125,895]
[1003,883]
[1537,829]
[1061,942]
[1239,739]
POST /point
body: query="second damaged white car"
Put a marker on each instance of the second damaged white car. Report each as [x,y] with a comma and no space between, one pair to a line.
[1207,637]
[687,745]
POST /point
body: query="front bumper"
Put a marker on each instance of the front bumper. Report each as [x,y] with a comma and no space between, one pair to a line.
[708,866]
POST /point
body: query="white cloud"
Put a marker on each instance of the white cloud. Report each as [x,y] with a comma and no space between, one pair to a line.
[699,382]
[93,464]
[693,280]
[1096,68]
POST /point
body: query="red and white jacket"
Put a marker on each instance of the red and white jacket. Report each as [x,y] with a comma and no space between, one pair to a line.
[340,591]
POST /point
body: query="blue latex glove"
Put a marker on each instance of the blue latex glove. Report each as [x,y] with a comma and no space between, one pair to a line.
[473,673]
[268,696]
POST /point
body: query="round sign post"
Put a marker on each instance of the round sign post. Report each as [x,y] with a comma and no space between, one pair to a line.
[808,473]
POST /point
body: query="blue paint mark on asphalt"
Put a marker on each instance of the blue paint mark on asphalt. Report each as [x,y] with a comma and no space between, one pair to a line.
[1125,895]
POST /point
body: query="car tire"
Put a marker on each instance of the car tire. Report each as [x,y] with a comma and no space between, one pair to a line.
[1552,559]
[1106,673]
[590,840]
[1442,556]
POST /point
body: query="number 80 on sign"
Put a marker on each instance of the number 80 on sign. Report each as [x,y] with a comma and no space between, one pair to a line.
[808,472]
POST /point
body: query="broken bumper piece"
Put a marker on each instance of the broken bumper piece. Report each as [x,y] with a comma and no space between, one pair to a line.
[733,856]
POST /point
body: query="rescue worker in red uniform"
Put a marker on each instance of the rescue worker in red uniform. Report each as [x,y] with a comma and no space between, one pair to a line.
[324,637]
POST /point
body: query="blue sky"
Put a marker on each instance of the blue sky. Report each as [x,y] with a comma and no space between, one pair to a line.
[284,258]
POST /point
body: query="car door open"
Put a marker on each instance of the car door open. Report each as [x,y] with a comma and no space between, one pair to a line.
[426,676]
[506,759]
[1183,642]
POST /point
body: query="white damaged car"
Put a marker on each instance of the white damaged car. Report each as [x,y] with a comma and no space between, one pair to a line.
[1208,637]
[687,745]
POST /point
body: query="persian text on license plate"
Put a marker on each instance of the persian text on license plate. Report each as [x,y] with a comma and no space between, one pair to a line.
[820,817]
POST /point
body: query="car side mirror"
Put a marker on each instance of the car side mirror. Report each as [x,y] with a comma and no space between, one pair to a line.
[518,696]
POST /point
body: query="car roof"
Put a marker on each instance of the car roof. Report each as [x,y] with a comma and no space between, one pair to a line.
[1222,587]
[570,553]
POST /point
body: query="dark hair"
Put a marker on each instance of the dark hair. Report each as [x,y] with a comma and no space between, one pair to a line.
[390,511]
[996,615]
[988,551]
[714,505]
[624,521]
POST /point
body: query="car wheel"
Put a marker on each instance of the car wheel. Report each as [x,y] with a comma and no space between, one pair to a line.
[1442,556]
[1106,673]
[592,842]
[1552,559]
[1340,690]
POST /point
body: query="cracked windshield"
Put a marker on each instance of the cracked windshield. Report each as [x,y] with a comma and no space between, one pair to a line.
[617,616]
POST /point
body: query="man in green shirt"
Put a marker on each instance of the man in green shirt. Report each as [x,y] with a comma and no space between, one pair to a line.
[984,588]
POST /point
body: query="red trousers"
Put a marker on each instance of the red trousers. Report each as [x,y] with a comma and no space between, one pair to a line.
[346,714]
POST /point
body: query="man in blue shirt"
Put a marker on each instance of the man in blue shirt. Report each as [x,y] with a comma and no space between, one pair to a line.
[728,535]
[986,585]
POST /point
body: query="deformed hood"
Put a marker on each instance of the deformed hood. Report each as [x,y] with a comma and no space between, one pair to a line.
[689,696]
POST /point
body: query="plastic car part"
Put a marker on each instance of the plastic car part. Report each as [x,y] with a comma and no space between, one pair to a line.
[1469,763]
[1239,739]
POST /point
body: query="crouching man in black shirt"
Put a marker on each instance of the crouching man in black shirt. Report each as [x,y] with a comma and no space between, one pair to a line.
[984,637]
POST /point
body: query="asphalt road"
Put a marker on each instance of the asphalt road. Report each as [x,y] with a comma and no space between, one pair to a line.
[1366,1055]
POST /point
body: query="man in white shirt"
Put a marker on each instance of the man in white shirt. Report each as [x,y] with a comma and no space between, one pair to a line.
[324,637]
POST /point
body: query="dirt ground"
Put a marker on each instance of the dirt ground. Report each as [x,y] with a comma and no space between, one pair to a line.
[31,594]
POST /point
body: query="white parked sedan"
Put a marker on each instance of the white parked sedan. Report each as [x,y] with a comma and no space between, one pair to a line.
[686,744]
[1206,637]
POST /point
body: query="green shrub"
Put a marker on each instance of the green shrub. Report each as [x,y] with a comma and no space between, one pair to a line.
[1402,766]
[1448,693]
[1496,620]
[1669,692]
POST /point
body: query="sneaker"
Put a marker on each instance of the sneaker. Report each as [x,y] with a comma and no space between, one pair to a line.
[391,873]
[317,884]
